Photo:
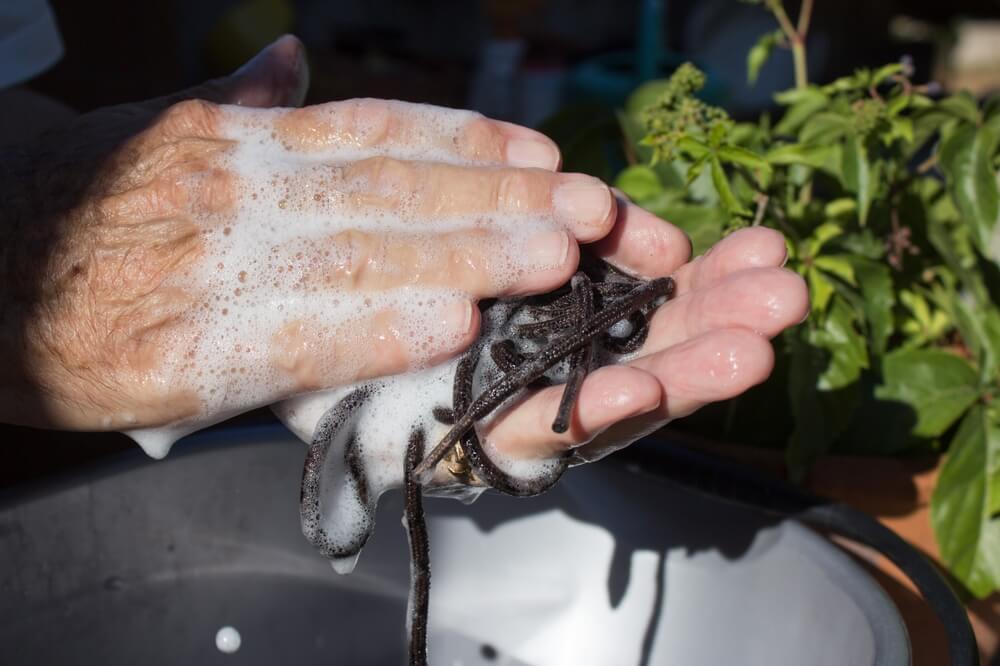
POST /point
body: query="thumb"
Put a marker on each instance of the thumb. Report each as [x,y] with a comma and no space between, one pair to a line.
[277,76]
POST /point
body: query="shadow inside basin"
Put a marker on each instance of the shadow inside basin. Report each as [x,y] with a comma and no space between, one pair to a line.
[142,562]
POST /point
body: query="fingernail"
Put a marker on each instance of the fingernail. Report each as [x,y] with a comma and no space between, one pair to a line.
[457,316]
[531,153]
[581,200]
[549,249]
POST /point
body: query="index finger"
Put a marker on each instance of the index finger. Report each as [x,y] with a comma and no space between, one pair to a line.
[362,128]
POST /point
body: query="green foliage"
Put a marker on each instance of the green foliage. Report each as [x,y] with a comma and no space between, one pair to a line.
[966,502]
[967,160]
[890,204]
[760,52]
[938,386]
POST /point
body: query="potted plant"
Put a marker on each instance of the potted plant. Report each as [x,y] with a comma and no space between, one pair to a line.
[888,199]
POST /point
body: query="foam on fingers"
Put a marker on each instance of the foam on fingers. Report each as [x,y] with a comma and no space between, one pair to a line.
[360,128]
[310,278]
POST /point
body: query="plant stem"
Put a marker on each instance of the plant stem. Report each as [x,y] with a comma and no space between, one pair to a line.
[761,200]
[805,15]
[795,36]
[927,164]
[799,57]
[786,25]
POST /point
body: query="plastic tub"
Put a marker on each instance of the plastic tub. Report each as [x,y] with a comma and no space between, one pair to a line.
[142,562]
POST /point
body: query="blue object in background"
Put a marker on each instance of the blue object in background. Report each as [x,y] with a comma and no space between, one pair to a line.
[611,77]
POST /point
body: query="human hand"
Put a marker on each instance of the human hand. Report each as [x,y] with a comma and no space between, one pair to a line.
[709,343]
[196,262]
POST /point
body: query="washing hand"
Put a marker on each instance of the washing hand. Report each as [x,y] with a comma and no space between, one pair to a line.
[176,262]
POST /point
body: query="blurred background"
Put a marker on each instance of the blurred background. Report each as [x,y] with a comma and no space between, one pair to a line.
[520,60]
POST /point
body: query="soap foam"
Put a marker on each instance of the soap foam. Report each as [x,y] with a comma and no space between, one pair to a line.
[284,257]
[380,425]
[358,129]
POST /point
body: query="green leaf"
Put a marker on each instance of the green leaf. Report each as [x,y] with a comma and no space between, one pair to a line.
[875,280]
[944,241]
[820,290]
[857,81]
[927,123]
[703,224]
[820,235]
[793,153]
[848,351]
[926,327]
[938,386]
[980,329]
[863,243]
[726,196]
[918,305]
[826,232]
[639,182]
[962,106]
[839,265]
[840,208]
[717,134]
[820,415]
[884,72]
[897,104]
[804,103]
[966,159]
[646,95]
[899,128]
[823,128]
[963,504]
[858,175]
[693,147]
[743,157]
[991,107]
[760,52]
[695,169]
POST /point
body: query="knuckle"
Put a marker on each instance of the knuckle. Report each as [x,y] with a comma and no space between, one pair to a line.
[657,249]
[381,181]
[167,194]
[467,270]
[482,140]
[196,117]
[379,173]
[516,190]
[352,254]
[212,191]
[369,122]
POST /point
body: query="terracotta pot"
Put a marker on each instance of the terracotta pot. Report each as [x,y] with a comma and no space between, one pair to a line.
[898,493]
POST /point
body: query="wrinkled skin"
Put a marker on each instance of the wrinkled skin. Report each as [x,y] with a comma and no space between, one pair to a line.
[106,254]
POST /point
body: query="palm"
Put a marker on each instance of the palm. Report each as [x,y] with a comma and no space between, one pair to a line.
[709,343]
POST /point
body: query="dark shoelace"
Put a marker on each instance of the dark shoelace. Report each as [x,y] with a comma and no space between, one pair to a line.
[576,330]
[574,325]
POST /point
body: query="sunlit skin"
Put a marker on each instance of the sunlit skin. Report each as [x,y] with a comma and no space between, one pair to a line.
[109,339]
